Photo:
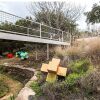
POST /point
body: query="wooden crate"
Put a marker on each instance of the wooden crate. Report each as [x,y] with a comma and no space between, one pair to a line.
[44,67]
[61,71]
[51,77]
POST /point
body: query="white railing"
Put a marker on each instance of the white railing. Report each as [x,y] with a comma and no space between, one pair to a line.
[14,24]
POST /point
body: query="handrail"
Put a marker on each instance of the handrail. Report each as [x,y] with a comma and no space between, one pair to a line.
[27,30]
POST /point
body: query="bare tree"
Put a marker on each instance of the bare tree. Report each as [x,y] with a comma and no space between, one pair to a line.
[62,15]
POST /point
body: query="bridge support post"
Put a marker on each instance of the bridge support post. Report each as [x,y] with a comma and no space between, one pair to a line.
[62,37]
[28,31]
[40,30]
[36,52]
[47,51]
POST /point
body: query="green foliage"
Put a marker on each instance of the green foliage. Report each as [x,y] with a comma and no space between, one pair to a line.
[12,97]
[80,66]
[2,68]
[3,88]
[72,79]
[24,22]
[20,26]
[79,69]
[35,86]
[94,15]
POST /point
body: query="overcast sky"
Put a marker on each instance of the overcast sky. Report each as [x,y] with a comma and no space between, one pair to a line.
[20,8]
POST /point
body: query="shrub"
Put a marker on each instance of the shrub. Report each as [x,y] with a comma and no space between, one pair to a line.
[59,52]
[55,91]
[80,66]
[35,86]
[90,82]
[72,79]
[3,88]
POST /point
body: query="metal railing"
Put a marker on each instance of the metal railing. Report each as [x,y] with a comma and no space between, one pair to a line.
[18,25]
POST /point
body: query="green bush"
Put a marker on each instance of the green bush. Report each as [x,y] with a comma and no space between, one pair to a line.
[3,88]
[35,86]
[72,79]
[80,66]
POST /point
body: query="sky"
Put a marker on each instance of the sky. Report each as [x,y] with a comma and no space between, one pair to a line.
[20,8]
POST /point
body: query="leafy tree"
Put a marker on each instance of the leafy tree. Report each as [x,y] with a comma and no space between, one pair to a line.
[93,16]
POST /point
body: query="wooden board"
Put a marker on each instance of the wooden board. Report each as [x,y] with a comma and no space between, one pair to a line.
[61,71]
[53,65]
[44,67]
[56,61]
[51,77]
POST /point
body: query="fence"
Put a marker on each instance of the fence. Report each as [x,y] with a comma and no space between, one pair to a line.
[18,25]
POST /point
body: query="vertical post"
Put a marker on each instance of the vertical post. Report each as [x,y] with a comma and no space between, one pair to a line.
[62,36]
[28,31]
[71,37]
[47,51]
[36,52]
[40,30]
[59,35]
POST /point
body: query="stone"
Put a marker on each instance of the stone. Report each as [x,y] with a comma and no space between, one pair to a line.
[34,78]
[25,93]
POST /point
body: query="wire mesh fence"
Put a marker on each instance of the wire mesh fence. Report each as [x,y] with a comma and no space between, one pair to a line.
[16,24]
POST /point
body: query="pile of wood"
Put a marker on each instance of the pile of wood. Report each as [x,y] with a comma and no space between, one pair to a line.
[53,69]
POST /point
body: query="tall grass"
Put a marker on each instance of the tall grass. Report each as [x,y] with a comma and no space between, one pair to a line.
[85,49]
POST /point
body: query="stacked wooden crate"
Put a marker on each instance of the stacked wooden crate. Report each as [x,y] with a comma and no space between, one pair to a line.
[53,69]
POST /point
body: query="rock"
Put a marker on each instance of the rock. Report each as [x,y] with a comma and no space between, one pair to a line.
[98,89]
[34,78]
[25,94]
[6,64]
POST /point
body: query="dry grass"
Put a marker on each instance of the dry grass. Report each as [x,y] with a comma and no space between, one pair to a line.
[13,85]
[91,82]
[60,52]
[85,49]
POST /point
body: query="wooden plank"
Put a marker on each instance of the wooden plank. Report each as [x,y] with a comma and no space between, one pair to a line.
[53,65]
[51,77]
[61,71]
[44,67]
[56,61]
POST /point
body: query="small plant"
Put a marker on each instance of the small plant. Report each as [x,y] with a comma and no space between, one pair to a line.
[35,86]
[55,91]
[3,88]
[72,79]
[80,66]
[12,97]
[2,68]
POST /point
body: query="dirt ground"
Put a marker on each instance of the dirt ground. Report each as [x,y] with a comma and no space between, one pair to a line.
[13,85]
[30,62]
